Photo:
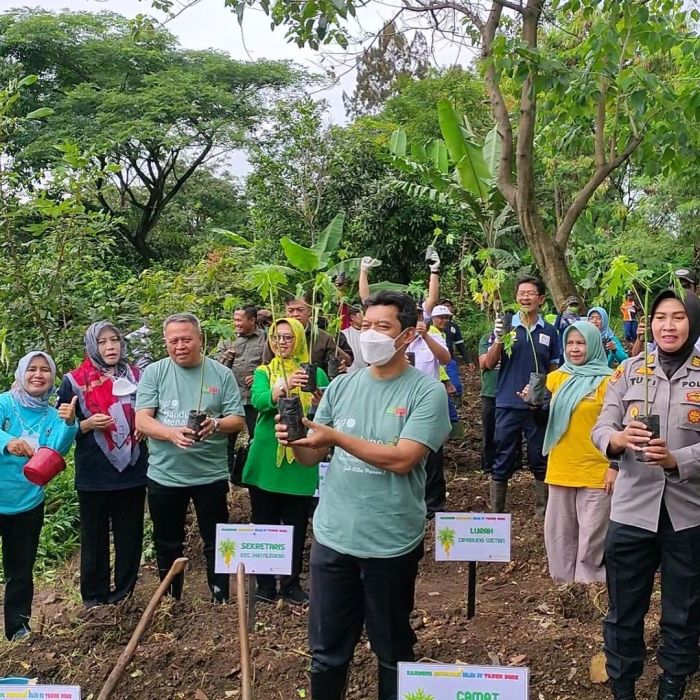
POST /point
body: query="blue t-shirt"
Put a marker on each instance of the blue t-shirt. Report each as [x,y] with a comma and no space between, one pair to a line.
[39,427]
[515,369]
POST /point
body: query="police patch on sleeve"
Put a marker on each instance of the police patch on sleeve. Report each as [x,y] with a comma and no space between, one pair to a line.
[617,374]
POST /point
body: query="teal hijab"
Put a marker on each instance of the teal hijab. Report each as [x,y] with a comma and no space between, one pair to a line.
[585,379]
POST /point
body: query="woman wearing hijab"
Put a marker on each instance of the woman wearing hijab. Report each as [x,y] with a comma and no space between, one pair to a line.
[616,354]
[655,514]
[110,465]
[27,422]
[281,489]
[579,477]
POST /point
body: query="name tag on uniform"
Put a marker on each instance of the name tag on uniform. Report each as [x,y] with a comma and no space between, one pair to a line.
[544,339]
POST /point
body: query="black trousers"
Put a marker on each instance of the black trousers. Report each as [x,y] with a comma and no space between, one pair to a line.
[348,593]
[20,542]
[123,511]
[270,508]
[168,507]
[236,458]
[632,557]
[488,431]
[435,487]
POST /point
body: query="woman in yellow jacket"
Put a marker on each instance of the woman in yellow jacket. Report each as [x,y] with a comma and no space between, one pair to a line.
[580,480]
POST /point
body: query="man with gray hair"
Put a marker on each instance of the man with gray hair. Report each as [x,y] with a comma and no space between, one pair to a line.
[187,464]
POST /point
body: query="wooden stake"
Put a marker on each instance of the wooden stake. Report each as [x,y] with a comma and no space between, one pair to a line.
[471,591]
[178,567]
[247,686]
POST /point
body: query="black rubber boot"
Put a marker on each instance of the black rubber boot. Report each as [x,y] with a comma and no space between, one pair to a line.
[387,683]
[622,689]
[330,684]
[671,687]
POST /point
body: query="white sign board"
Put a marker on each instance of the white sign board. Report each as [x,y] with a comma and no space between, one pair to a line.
[472,537]
[455,682]
[40,692]
[264,549]
[322,471]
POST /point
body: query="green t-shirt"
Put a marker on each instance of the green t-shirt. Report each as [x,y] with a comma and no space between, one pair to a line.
[365,511]
[489,377]
[174,391]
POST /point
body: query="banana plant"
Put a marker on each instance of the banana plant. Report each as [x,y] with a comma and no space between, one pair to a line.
[459,171]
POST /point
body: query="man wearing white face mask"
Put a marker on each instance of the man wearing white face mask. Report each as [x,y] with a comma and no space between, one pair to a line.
[369,526]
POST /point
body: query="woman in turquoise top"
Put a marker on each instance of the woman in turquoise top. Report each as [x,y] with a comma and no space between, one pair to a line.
[616,354]
[27,422]
[280,488]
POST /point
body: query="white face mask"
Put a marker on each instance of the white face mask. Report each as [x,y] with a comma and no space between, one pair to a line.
[377,348]
[123,387]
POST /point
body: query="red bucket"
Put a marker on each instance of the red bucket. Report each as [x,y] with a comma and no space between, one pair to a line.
[43,466]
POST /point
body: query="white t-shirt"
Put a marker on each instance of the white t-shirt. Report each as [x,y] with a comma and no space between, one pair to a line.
[353,337]
[426,362]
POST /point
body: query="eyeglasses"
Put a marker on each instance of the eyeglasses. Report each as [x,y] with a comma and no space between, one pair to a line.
[527,295]
[283,338]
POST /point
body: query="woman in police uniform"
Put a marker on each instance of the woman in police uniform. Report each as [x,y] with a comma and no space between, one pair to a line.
[655,517]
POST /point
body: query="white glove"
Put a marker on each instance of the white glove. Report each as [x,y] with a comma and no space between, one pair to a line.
[368,262]
[433,259]
[498,329]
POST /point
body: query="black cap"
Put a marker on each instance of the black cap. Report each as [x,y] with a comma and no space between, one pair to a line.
[685,274]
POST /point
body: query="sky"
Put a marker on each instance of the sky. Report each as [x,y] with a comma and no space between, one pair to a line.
[208,24]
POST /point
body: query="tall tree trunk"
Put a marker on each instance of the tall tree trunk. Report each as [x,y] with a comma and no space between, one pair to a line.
[549,256]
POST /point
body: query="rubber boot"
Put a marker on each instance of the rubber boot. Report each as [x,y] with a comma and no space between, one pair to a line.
[622,689]
[330,684]
[541,495]
[387,683]
[498,490]
[671,687]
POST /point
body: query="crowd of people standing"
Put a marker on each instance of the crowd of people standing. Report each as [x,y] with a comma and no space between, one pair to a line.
[618,494]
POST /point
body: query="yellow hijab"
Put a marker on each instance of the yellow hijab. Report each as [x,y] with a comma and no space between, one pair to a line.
[280,368]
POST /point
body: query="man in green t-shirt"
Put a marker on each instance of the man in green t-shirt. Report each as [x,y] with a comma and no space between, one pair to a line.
[184,466]
[383,421]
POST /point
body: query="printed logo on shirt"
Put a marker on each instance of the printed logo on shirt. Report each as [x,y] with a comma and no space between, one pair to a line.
[210,389]
[693,397]
[695,362]
[544,339]
[398,411]
[694,416]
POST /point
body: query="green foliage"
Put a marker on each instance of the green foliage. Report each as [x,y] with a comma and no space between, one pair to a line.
[148,113]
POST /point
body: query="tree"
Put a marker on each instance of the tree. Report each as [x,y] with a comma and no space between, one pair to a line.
[391,59]
[150,113]
[602,83]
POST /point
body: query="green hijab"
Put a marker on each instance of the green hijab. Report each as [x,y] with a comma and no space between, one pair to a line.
[585,379]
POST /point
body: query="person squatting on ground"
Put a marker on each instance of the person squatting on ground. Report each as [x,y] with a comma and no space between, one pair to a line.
[579,478]
[243,356]
[281,489]
[27,422]
[614,351]
[535,349]
[110,465]
[370,522]
[185,466]
[655,517]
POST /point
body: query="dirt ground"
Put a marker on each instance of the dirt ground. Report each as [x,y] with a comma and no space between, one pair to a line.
[192,650]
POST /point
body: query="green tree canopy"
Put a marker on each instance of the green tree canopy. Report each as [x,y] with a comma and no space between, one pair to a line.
[149,112]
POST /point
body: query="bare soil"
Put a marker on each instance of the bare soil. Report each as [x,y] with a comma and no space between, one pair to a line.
[192,650]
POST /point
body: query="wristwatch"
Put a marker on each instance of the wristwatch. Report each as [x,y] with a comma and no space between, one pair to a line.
[217,425]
